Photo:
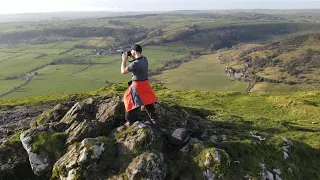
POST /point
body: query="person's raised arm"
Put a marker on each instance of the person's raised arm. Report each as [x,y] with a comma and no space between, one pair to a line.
[124,69]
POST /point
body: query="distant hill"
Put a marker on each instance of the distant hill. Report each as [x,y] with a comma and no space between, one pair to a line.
[292,61]
[298,14]
[54,16]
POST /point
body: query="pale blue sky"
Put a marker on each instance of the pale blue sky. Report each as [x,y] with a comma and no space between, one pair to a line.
[22,6]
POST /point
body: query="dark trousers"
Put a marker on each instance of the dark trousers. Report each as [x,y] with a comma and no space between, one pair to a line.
[133,115]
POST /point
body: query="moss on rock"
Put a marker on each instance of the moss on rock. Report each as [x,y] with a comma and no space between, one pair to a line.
[50,115]
[51,143]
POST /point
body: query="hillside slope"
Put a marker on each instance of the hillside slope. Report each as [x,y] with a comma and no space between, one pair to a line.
[291,64]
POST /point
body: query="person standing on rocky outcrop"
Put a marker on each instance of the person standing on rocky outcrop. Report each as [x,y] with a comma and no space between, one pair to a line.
[139,92]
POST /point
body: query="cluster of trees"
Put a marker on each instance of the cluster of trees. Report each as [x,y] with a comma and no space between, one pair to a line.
[295,67]
[263,62]
[118,23]
[121,35]
[70,60]
[76,32]
[303,63]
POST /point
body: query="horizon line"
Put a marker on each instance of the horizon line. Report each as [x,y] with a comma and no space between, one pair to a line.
[128,11]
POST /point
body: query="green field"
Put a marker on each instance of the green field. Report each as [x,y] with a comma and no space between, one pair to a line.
[6,85]
[78,78]
[203,73]
[21,65]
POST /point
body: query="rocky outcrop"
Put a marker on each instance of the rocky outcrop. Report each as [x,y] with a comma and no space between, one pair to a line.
[89,140]
[87,119]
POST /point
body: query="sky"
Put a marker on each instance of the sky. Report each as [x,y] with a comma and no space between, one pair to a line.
[32,6]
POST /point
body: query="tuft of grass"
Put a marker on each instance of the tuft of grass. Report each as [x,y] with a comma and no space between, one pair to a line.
[15,138]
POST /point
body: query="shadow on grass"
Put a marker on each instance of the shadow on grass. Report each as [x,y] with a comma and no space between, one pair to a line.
[248,152]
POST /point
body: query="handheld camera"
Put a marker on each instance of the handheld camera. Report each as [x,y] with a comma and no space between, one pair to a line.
[122,51]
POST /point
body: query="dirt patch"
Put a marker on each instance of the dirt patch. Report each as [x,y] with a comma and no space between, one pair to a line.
[18,118]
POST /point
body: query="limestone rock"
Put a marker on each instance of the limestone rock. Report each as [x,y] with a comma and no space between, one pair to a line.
[108,109]
[265,174]
[87,129]
[12,155]
[208,175]
[277,171]
[102,109]
[80,111]
[43,145]
[287,147]
[277,177]
[216,161]
[88,160]
[147,166]
[213,160]
[52,115]
[39,164]
[131,137]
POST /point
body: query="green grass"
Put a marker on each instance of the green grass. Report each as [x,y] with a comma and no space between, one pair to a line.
[157,55]
[38,46]
[78,52]
[4,55]
[70,44]
[270,88]
[57,79]
[12,55]
[21,65]
[105,59]
[298,109]
[51,51]
[6,85]
[203,73]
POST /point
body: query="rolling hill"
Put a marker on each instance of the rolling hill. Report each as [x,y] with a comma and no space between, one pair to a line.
[45,57]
